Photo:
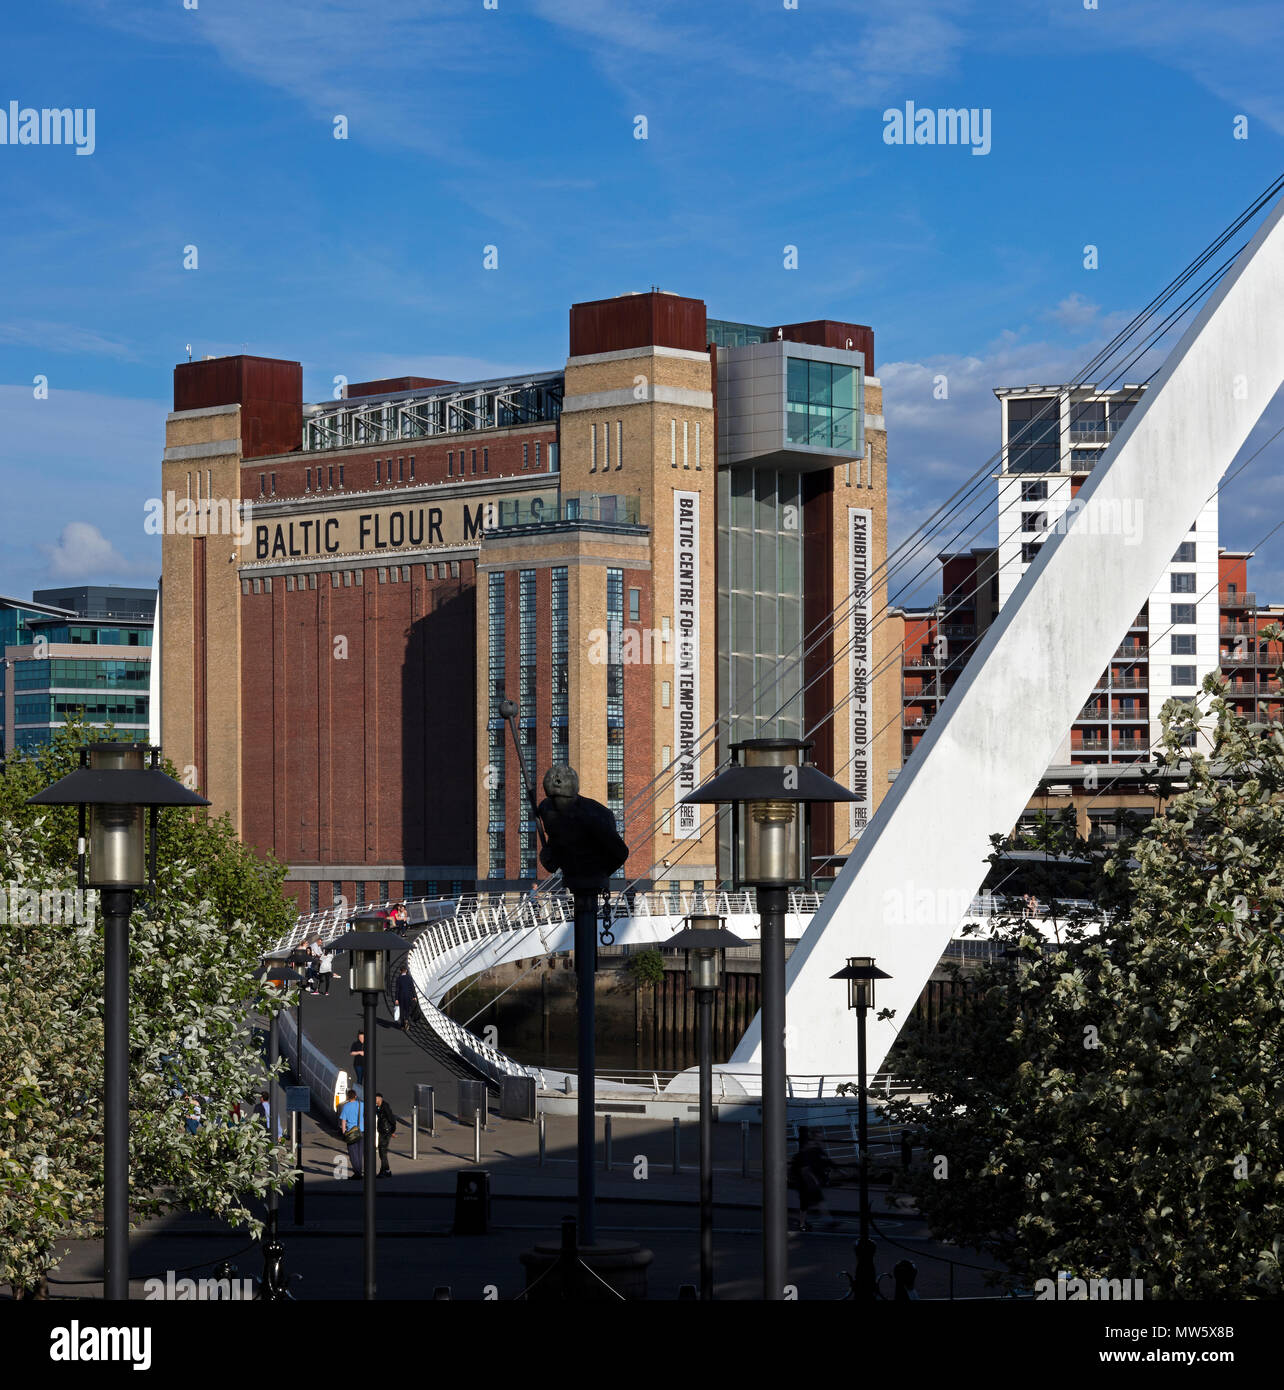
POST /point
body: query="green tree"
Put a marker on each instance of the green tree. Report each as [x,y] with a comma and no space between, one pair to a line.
[646,967]
[1109,1106]
[192,948]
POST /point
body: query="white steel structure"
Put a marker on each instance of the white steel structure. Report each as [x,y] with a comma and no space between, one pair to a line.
[1036,666]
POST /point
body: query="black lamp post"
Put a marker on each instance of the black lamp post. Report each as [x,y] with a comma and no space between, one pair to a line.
[772,787]
[705,940]
[115,781]
[370,944]
[860,974]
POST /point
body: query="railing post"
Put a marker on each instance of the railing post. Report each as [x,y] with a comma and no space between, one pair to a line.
[677,1145]
[477,1135]
[744,1148]
[606,1125]
[414,1133]
[543,1139]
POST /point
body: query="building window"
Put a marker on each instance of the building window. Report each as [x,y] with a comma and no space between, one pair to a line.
[312,581]
[673,443]
[1183,644]
[1184,675]
[314,896]
[526,656]
[666,694]
[1183,613]
[619,444]
[554,458]
[697,444]
[635,605]
[401,470]
[332,475]
[474,460]
[258,586]
[537,444]
[262,484]
[1034,489]
[686,453]
[412,468]
[593,449]
[614,693]
[1034,435]
[1029,550]
[450,464]
[341,475]
[822,399]
[378,470]
[495,657]
[1185,553]
[454,569]
[1183,581]
[1034,521]
[525,455]
[606,444]
[559,708]
[485,460]
[361,894]
[336,892]
[308,488]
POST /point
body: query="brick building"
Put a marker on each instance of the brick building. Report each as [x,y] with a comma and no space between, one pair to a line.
[633,547]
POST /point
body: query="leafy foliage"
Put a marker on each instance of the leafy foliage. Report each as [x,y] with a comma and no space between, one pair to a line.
[646,967]
[192,949]
[1109,1105]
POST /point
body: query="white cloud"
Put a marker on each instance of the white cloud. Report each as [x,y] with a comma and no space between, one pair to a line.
[77,454]
[83,552]
[64,338]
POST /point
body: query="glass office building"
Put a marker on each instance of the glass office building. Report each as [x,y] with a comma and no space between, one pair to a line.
[78,653]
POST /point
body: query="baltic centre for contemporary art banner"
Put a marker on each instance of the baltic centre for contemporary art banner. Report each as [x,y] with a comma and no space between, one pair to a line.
[858,529]
[686,660]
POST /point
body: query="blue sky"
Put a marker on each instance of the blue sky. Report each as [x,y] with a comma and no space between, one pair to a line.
[514,127]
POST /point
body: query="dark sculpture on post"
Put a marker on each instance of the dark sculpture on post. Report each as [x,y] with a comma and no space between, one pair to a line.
[583,841]
[585,845]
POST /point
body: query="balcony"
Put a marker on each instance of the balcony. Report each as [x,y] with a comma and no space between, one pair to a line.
[1091,431]
[1130,745]
[1234,629]
[1248,600]
[1131,651]
[1093,712]
[1123,683]
[959,632]
[920,723]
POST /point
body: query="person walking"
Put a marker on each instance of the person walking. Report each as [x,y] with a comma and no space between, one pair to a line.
[405,997]
[352,1119]
[385,1127]
[810,1169]
[358,1054]
[325,969]
[314,961]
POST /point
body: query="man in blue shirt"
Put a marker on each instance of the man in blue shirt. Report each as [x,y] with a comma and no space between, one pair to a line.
[352,1120]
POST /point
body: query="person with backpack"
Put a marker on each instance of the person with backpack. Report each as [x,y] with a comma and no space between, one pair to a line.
[352,1120]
